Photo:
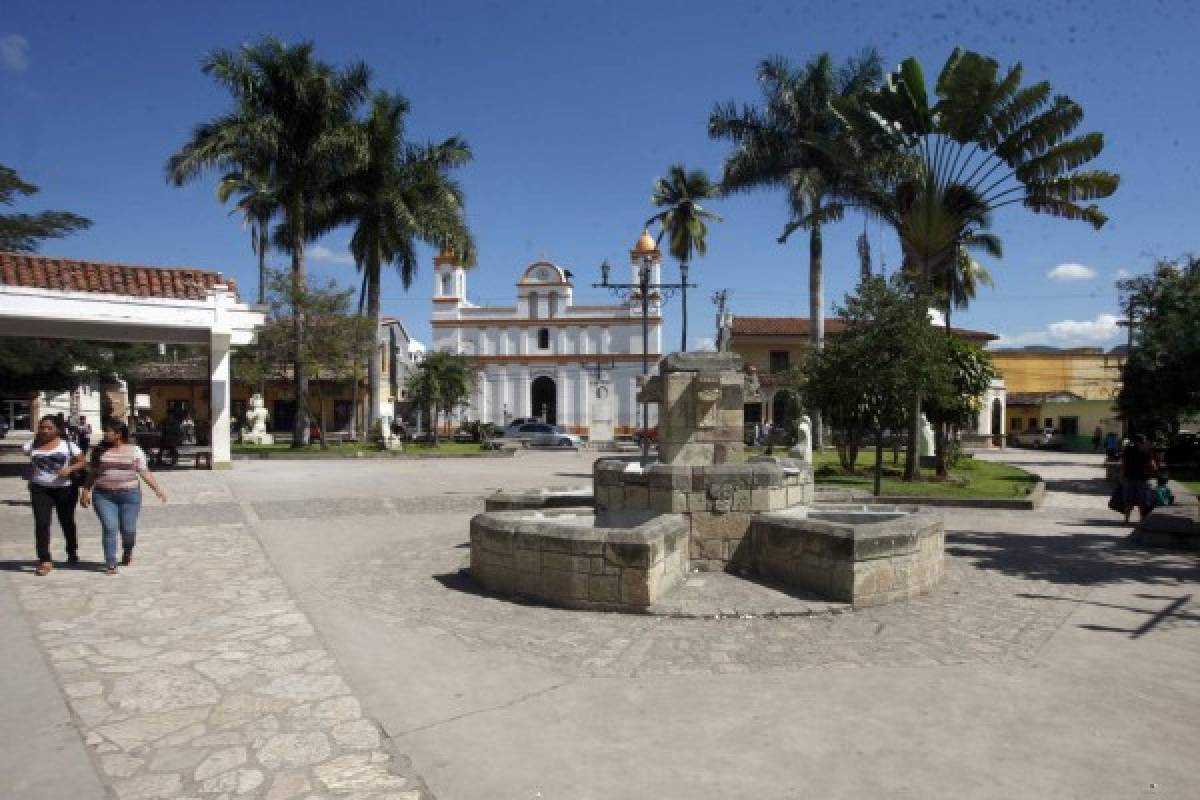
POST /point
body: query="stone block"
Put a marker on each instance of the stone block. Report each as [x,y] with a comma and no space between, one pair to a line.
[604,588]
[495,578]
[637,498]
[496,541]
[627,554]
[587,547]
[734,525]
[562,561]
[702,361]
[727,452]
[528,560]
[742,499]
[564,586]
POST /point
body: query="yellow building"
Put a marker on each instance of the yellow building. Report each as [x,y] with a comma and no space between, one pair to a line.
[1072,391]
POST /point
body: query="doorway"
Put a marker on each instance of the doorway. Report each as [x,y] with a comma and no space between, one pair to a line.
[543,396]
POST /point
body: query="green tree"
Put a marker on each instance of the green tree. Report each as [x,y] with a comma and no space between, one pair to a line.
[864,377]
[956,396]
[336,345]
[1160,382]
[22,233]
[791,143]
[257,202]
[293,118]
[399,193]
[442,383]
[683,220]
[984,143]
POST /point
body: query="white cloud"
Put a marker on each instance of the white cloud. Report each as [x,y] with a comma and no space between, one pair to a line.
[1071,272]
[319,252]
[14,52]
[1123,273]
[704,344]
[1102,330]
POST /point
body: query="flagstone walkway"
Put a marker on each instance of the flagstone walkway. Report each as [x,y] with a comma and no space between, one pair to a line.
[192,673]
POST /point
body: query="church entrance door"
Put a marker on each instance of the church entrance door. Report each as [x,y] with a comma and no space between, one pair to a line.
[543,399]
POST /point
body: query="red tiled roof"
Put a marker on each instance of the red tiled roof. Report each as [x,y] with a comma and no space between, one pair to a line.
[799,326]
[77,275]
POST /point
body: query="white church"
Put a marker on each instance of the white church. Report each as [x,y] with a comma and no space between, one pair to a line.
[571,365]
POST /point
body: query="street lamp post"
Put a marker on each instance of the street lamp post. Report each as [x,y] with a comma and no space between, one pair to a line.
[641,290]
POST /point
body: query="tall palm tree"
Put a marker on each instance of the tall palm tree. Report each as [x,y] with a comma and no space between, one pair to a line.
[292,115]
[787,145]
[257,203]
[399,194]
[986,143]
[683,220]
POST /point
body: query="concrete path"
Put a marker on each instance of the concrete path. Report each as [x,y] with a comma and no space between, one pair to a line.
[1055,661]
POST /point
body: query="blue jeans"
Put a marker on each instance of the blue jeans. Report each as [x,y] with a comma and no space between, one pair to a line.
[118,511]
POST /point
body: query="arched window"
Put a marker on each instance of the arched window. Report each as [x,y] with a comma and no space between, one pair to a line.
[543,338]
[448,285]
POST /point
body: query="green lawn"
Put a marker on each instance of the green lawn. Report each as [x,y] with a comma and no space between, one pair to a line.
[356,450]
[971,478]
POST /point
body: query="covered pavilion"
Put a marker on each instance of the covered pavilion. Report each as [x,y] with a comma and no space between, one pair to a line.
[66,298]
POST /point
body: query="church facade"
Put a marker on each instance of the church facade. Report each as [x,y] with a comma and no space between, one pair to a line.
[547,357]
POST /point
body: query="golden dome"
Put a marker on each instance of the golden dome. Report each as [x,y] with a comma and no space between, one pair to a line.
[446,256]
[645,244]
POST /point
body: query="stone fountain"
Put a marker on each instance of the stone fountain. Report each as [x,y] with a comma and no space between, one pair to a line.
[645,526]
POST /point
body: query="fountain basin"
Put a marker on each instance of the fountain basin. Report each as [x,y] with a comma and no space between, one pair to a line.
[574,558]
[859,554]
[533,499]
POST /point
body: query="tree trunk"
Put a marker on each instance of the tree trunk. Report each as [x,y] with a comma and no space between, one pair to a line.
[912,459]
[355,389]
[878,460]
[939,449]
[683,345]
[263,242]
[299,374]
[816,310]
[373,365]
[321,413]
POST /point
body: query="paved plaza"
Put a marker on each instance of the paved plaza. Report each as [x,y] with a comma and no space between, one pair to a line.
[304,629]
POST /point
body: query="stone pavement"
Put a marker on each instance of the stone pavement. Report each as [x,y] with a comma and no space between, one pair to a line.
[313,638]
[193,673]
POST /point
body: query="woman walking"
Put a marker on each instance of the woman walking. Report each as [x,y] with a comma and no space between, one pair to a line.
[114,489]
[1137,468]
[52,460]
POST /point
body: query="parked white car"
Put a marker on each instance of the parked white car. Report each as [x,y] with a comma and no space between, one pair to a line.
[540,434]
[1048,438]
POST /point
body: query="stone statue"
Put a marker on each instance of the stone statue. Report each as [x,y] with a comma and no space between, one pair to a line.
[802,451]
[255,431]
[925,442]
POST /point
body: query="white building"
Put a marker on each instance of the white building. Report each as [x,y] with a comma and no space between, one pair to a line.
[573,365]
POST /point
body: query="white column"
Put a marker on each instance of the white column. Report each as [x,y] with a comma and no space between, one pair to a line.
[218,394]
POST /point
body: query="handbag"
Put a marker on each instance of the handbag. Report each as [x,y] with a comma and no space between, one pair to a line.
[1117,501]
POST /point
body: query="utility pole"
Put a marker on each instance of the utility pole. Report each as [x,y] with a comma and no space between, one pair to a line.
[720,298]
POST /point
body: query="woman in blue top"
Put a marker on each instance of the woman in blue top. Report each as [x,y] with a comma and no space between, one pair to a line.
[52,459]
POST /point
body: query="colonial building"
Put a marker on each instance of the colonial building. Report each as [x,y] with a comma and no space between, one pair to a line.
[771,345]
[1070,390]
[572,365]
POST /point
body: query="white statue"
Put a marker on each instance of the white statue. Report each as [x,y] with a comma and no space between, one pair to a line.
[802,451]
[256,422]
[925,442]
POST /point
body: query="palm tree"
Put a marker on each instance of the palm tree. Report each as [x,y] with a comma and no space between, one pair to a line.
[788,144]
[258,202]
[986,143]
[292,116]
[683,220]
[399,194]
[442,383]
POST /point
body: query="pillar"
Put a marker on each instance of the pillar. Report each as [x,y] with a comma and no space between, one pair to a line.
[218,361]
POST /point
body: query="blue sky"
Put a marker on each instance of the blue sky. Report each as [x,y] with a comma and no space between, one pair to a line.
[573,109]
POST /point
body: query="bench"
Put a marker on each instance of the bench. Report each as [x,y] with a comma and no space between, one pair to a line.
[201,456]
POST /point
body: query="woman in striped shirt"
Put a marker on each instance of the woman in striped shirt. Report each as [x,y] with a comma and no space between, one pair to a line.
[114,488]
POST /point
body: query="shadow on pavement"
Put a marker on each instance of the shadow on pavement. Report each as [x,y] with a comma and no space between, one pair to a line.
[28,566]
[1098,487]
[1079,558]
